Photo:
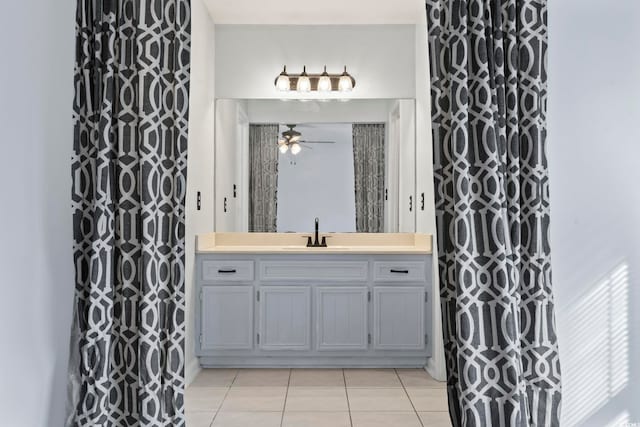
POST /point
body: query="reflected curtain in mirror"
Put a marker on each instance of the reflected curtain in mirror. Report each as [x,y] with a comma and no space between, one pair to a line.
[369,171]
[263,177]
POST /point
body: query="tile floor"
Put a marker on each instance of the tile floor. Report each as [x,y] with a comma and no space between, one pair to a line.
[316,398]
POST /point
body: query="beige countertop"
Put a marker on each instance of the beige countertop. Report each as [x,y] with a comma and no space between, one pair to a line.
[295,243]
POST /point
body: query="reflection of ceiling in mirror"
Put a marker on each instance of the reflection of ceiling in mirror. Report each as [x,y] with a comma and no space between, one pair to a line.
[292,111]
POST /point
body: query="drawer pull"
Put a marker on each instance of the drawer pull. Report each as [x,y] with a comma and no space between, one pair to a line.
[227,271]
[393,270]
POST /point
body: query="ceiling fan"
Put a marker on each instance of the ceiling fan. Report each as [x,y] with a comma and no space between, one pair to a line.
[291,139]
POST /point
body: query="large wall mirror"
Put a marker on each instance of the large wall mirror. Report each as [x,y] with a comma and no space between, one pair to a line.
[280,164]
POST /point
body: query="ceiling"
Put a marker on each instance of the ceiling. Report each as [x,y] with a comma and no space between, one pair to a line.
[317,12]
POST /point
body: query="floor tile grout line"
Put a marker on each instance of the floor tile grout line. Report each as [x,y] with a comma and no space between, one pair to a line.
[396,371]
[286,394]
[234,378]
[415,411]
[346,392]
[223,399]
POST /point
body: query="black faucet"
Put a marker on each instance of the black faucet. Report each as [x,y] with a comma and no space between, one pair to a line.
[316,243]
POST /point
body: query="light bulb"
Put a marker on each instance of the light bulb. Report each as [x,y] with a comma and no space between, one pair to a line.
[295,148]
[324,82]
[345,84]
[283,148]
[304,84]
[282,82]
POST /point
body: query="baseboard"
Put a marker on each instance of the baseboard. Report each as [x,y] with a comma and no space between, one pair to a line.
[192,369]
[435,370]
[311,362]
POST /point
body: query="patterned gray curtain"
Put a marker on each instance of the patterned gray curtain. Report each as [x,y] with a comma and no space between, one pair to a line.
[263,177]
[368,169]
[130,113]
[489,89]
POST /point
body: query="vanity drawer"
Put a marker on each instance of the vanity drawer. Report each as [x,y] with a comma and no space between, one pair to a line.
[227,271]
[316,271]
[402,271]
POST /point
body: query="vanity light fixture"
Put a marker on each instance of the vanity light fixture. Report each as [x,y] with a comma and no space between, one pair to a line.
[322,83]
[282,81]
[346,82]
[304,83]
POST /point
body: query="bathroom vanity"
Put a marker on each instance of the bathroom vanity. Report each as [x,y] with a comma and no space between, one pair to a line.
[266,300]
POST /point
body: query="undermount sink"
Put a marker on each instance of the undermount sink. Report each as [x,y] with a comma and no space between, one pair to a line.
[311,249]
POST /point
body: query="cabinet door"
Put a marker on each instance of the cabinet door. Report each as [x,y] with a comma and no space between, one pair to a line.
[285,313]
[398,318]
[227,317]
[341,318]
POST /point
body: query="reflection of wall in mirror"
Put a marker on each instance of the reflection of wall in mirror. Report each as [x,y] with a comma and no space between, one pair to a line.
[231,134]
[318,182]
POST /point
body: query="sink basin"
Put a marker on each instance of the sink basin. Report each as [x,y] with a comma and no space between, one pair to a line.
[267,248]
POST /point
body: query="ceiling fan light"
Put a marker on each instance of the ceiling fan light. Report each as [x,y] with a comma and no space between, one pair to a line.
[304,83]
[295,148]
[345,84]
[282,82]
[283,148]
[324,82]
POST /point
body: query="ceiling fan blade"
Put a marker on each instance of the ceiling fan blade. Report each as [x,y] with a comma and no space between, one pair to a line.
[318,142]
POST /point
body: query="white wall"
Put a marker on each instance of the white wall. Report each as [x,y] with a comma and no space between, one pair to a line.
[318,181]
[200,161]
[36,265]
[594,151]
[380,58]
[426,219]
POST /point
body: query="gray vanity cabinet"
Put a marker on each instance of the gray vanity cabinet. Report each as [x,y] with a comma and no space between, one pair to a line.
[227,317]
[341,318]
[398,318]
[313,310]
[285,318]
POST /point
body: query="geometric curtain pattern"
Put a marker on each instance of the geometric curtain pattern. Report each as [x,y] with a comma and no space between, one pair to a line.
[129,164]
[263,177]
[489,101]
[368,160]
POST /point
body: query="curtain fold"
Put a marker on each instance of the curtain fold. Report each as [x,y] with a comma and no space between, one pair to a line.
[129,164]
[488,90]
[263,177]
[368,161]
